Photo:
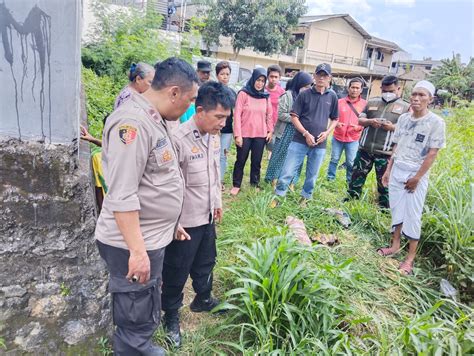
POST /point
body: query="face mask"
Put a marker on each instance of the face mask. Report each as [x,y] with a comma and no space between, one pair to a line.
[388,97]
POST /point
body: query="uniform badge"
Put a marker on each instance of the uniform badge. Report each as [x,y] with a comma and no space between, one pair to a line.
[166,156]
[196,134]
[372,108]
[397,109]
[127,133]
[161,142]
[194,149]
[419,138]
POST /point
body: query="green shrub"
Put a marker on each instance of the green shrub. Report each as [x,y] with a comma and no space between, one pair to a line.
[100,97]
[448,221]
[281,302]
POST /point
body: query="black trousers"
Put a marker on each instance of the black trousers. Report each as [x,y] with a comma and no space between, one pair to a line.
[195,257]
[256,146]
[136,307]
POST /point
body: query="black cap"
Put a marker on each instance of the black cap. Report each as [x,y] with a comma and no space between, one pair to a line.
[204,66]
[323,67]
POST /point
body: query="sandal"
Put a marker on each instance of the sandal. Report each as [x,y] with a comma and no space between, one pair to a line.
[386,252]
[234,191]
[406,268]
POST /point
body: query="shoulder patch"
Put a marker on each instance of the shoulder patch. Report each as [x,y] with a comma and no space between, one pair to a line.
[127,133]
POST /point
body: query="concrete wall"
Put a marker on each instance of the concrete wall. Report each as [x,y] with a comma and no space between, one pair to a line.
[53,298]
[335,36]
[40,69]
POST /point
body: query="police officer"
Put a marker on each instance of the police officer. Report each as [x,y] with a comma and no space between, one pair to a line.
[198,147]
[141,168]
[203,71]
[376,142]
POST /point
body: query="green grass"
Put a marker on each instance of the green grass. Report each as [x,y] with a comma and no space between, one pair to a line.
[288,299]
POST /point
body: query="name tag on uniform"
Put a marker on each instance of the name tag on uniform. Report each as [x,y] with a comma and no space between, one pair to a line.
[196,156]
[419,138]
[162,142]
[397,109]
[372,108]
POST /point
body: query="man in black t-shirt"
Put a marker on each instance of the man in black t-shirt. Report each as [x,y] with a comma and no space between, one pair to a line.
[309,115]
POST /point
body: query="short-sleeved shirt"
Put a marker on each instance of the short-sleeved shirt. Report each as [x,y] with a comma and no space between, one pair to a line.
[142,173]
[313,109]
[415,137]
[275,94]
[123,96]
[199,159]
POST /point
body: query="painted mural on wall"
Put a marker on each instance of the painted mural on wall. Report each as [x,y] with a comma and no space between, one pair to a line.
[40,69]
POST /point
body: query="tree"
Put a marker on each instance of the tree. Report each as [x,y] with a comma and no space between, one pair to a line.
[122,37]
[264,25]
[456,78]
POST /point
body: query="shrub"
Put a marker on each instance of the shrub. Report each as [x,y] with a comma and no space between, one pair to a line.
[100,94]
[280,302]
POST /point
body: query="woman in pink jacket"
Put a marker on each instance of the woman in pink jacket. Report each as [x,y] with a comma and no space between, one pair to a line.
[253,127]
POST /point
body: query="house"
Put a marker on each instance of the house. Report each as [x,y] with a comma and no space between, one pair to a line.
[414,70]
[336,39]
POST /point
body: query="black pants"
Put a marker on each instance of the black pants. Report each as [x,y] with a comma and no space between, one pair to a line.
[256,145]
[136,307]
[182,258]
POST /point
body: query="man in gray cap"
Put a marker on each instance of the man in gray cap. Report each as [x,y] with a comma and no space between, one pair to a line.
[203,71]
[310,114]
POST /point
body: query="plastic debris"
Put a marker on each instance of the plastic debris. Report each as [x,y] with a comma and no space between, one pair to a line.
[448,290]
[341,216]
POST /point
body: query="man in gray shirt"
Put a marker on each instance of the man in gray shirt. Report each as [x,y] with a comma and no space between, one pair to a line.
[418,137]
[140,212]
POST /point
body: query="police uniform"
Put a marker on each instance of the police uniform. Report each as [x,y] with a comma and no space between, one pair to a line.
[142,172]
[375,146]
[198,157]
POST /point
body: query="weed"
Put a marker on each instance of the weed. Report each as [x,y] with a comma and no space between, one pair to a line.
[104,346]
[65,290]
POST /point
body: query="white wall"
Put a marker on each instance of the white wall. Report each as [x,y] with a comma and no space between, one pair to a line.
[40,91]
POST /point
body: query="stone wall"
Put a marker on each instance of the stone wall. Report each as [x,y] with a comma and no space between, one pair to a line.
[53,296]
[52,281]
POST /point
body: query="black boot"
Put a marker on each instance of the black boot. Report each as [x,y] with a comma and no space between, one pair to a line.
[199,305]
[171,325]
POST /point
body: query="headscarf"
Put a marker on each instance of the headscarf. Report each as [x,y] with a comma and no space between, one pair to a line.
[300,80]
[249,88]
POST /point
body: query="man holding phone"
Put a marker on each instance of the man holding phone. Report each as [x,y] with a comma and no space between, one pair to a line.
[310,114]
[376,142]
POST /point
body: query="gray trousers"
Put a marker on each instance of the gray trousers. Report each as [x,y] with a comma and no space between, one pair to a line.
[136,307]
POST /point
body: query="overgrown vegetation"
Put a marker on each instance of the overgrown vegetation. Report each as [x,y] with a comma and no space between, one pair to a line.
[117,40]
[288,299]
